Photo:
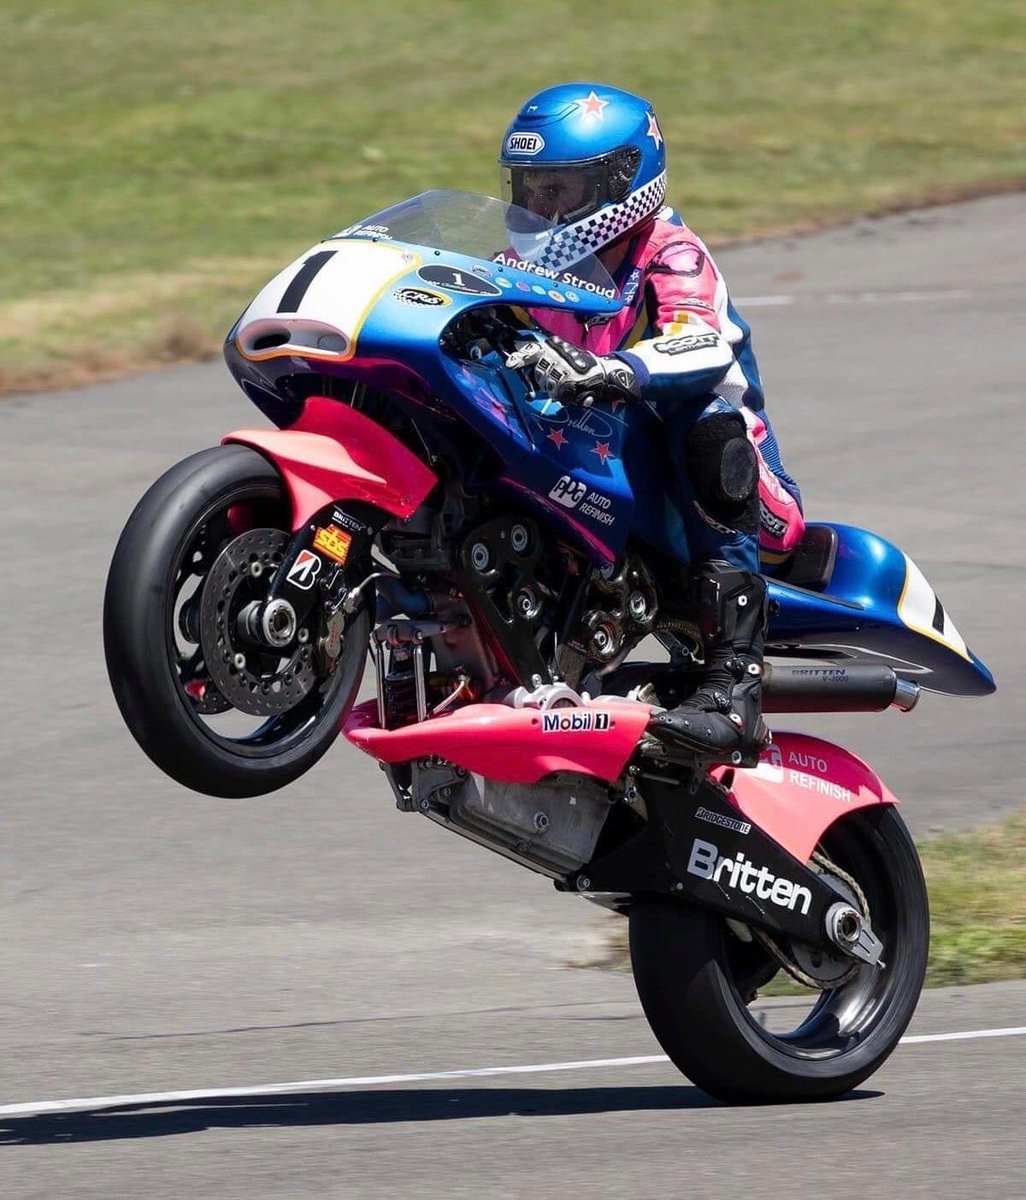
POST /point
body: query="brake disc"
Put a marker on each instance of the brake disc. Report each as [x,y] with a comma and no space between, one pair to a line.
[256,679]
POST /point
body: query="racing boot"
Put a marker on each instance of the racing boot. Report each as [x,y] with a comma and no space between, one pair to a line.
[722,721]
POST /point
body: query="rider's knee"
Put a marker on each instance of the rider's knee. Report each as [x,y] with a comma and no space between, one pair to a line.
[723,468]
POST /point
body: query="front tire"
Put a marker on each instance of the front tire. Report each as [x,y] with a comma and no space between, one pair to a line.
[694,980]
[160,681]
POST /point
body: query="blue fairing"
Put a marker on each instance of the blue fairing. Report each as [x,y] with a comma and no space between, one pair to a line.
[373,306]
[878,607]
[568,462]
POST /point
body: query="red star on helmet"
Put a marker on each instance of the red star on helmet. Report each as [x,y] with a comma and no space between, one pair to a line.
[557,436]
[592,106]
[603,451]
[654,132]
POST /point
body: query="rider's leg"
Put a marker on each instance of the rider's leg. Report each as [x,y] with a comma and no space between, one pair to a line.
[722,721]
[781,523]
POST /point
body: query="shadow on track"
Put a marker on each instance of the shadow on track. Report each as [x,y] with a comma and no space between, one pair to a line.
[346,1108]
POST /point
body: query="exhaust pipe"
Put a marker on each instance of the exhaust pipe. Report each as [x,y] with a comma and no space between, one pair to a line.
[861,687]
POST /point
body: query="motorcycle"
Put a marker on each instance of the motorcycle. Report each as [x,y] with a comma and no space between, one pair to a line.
[505,562]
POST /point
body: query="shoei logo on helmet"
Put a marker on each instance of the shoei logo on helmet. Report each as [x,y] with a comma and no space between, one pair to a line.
[524,143]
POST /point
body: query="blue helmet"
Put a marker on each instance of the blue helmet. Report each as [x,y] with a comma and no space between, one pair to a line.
[588,158]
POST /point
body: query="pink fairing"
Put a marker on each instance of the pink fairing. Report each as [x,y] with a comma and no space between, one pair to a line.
[335,453]
[800,787]
[514,745]
[782,525]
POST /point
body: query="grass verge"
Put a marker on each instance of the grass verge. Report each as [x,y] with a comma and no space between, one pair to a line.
[977,885]
[161,160]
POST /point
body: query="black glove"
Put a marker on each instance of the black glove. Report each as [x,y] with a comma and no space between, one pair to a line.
[570,375]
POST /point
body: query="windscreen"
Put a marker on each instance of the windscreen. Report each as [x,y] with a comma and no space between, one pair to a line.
[489,229]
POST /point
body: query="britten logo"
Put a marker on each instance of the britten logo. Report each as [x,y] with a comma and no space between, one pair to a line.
[707,863]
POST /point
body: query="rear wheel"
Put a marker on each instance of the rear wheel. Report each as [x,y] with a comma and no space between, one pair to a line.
[696,980]
[219,713]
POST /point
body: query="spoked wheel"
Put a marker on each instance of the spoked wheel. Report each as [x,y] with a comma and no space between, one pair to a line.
[210,702]
[696,979]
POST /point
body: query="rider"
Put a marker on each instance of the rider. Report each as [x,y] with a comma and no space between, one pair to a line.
[591,160]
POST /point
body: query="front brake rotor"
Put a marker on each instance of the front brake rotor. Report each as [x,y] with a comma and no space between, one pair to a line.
[256,679]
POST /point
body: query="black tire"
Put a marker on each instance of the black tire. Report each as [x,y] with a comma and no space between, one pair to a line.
[153,562]
[693,978]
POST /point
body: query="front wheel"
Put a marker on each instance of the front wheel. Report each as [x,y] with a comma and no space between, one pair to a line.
[220,715]
[696,979]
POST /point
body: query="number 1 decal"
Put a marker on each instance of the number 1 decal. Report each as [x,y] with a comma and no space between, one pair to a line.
[306,274]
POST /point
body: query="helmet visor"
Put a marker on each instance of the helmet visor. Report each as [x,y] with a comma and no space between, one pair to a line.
[556,193]
[566,192]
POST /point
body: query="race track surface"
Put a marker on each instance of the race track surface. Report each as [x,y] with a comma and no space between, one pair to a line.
[156,941]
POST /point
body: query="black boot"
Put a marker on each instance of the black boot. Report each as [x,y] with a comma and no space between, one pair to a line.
[722,721]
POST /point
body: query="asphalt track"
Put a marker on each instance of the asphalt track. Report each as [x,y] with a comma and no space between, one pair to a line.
[155,941]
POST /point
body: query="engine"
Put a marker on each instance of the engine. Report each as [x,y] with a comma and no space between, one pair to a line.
[552,827]
[483,603]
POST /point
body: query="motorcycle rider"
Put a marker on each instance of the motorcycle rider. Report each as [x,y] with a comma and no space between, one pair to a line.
[591,159]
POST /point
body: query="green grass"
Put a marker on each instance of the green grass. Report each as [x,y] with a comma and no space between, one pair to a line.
[158,161]
[977,886]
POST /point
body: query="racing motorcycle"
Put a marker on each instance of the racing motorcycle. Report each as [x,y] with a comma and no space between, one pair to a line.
[508,565]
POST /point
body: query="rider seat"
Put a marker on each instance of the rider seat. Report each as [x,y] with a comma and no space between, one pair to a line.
[811,565]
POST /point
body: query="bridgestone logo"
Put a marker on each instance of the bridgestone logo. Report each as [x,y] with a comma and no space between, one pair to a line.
[707,863]
[524,143]
[574,721]
[715,818]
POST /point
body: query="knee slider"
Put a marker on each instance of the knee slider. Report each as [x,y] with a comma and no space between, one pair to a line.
[723,467]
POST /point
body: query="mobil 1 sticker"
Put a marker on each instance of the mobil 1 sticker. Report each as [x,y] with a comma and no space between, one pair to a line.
[575,720]
[455,279]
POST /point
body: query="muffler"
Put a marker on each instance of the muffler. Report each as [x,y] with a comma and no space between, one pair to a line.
[861,687]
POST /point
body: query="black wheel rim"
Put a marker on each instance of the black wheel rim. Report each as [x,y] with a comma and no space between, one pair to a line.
[840,1018]
[211,529]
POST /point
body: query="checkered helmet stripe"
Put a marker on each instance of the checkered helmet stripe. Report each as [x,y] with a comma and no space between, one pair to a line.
[574,242]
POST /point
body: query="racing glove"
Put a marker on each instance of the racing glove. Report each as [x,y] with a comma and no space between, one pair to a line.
[571,375]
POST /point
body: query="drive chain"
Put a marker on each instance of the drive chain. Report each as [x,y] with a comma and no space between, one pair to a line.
[788,964]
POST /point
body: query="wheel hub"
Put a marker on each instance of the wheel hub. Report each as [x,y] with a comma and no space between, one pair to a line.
[256,679]
[828,968]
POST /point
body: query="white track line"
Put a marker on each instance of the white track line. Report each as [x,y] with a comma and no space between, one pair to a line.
[907,297]
[1012,1031]
[145,1099]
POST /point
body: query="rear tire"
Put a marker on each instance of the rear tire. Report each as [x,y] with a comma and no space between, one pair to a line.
[693,978]
[170,542]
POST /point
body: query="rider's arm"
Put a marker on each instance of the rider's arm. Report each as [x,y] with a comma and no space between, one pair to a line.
[688,356]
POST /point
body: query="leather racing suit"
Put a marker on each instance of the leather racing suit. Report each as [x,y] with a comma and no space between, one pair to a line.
[692,353]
